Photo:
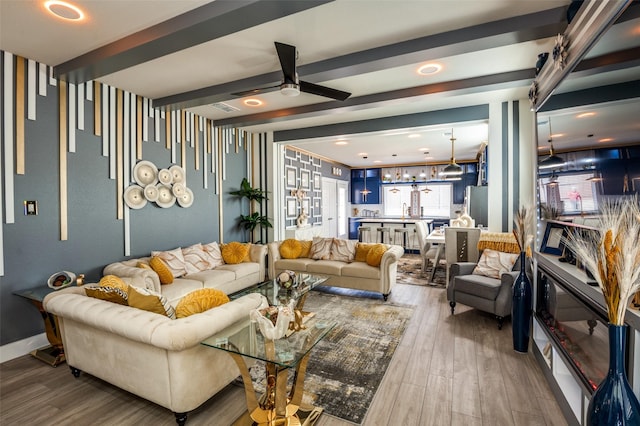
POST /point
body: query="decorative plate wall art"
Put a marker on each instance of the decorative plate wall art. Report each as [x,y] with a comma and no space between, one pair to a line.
[164,187]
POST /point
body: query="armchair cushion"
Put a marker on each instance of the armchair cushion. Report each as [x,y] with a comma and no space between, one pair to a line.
[494,263]
[480,285]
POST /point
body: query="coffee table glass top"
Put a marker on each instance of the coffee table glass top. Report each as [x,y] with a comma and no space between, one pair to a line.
[245,339]
[277,295]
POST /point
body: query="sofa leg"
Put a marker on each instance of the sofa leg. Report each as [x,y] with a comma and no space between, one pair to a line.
[385,296]
[181,418]
[453,306]
[500,322]
[75,372]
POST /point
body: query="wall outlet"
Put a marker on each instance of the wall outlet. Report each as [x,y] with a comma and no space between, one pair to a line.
[30,208]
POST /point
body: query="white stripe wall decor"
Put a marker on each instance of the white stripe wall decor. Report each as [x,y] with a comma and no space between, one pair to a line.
[52,80]
[80,88]
[42,79]
[19,115]
[89,90]
[145,119]
[156,125]
[129,148]
[31,89]
[105,120]
[8,137]
[71,96]
[112,132]
[173,136]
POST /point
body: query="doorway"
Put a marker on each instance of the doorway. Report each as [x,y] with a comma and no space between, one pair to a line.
[334,208]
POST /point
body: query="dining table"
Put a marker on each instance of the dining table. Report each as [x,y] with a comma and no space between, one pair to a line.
[436,237]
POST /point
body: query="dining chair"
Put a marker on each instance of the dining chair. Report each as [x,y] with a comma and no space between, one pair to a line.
[427,251]
[460,245]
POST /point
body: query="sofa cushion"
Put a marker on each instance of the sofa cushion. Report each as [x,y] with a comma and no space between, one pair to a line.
[214,255]
[362,249]
[494,263]
[290,249]
[183,286]
[110,294]
[195,259]
[343,250]
[242,269]
[374,257]
[360,270]
[478,285]
[234,252]
[151,301]
[328,267]
[321,248]
[199,301]
[299,265]
[161,268]
[114,282]
[174,260]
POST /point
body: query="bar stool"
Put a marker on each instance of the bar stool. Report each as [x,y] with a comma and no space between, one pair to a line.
[382,232]
[403,234]
[362,232]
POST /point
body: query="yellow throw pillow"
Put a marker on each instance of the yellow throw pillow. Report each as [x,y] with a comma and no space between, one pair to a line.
[291,249]
[234,252]
[306,248]
[374,257]
[143,265]
[247,257]
[362,249]
[158,265]
[200,301]
[110,294]
[114,282]
[174,259]
[151,301]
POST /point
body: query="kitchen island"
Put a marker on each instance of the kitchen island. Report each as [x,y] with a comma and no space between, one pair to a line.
[410,242]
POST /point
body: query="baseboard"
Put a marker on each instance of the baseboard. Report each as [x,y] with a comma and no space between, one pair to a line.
[22,347]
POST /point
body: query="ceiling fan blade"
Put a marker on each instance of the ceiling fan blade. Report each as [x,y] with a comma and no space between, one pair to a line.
[327,92]
[287,56]
[258,91]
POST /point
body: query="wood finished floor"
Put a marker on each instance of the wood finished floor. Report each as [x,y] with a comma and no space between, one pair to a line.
[448,370]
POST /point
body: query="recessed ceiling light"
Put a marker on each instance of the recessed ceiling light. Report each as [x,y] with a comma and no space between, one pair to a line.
[423,149]
[557,135]
[414,135]
[606,140]
[428,69]
[253,102]
[377,161]
[64,10]
[586,114]
[342,143]
[360,154]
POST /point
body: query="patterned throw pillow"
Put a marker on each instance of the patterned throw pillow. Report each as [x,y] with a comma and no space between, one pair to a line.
[174,260]
[306,248]
[200,301]
[494,263]
[362,249]
[195,259]
[321,248]
[374,257]
[110,294]
[161,268]
[343,250]
[214,255]
[234,252]
[151,301]
[114,282]
[290,249]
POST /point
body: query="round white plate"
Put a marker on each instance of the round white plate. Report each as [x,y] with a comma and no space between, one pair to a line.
[145,173]
[134,197]
[178,174]
[166,198]
[187,198]
[165,177]
[151,193]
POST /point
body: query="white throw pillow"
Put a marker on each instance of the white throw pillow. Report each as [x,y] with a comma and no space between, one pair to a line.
[214,255]
[343,250]
[195,259]
[321,248]
[494,263]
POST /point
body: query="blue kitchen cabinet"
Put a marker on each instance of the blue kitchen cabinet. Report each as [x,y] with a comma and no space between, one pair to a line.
[373,184]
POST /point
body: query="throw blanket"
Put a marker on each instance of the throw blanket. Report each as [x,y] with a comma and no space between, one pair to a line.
[500,241]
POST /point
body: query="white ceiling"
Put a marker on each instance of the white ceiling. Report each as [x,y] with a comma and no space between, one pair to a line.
[390,40]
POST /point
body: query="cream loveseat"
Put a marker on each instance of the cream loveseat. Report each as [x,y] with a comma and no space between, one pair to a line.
[148,354]
[229,278]
[354,274]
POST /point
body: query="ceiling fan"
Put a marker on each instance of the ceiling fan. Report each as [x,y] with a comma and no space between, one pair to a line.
[291,85]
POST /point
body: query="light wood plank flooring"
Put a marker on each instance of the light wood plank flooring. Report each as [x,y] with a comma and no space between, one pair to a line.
[448,370]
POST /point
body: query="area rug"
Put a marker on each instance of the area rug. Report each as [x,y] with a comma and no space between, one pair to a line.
[409,272]
[347,366]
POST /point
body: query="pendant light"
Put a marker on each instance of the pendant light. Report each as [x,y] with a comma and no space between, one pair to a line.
[395,189]
[365,191]
[552,161]
[452,169]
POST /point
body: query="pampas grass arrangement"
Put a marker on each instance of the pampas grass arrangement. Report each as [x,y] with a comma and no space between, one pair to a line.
[612,254]
[522,221]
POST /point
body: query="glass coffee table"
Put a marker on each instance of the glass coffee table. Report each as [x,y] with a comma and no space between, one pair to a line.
[276,405]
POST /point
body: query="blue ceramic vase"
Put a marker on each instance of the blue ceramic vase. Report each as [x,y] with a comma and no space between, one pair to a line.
[521,308]
[614,402]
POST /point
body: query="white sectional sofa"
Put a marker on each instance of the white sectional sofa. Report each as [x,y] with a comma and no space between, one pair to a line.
[228,278]
[355,275]
[150,355]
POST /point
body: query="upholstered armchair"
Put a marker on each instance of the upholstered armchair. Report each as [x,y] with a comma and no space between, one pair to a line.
[492,294]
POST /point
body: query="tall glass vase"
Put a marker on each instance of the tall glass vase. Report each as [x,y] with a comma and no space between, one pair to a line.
[614,402]
[521,308]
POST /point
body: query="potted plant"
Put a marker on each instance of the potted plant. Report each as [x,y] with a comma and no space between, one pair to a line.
[251,221]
